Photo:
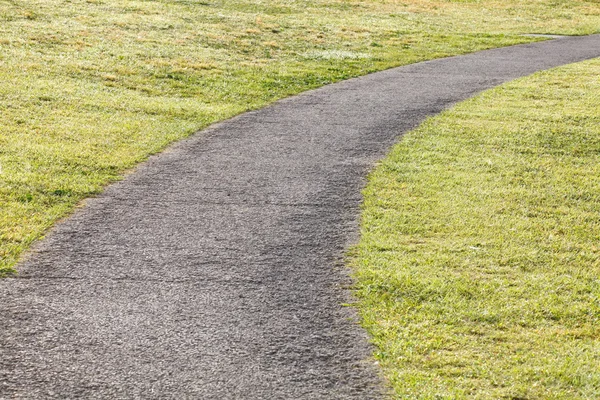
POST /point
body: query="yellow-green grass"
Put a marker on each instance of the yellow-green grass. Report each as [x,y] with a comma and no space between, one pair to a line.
[89,88]
[478,269]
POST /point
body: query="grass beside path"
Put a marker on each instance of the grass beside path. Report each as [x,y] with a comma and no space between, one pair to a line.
[479,264]
[89,88]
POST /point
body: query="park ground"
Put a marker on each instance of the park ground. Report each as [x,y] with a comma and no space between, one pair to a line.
[476,267]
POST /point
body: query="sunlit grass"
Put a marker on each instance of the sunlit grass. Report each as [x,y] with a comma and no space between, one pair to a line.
[479,265]
[90,88]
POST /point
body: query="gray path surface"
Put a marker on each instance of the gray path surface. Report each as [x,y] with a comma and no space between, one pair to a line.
[214,271]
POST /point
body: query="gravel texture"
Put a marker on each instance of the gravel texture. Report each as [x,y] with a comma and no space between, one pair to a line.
[215,270]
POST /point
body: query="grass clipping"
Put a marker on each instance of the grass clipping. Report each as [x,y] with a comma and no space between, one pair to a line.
[478,269]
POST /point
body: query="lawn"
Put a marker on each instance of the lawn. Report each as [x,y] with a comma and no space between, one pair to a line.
[90,88]
[478,270]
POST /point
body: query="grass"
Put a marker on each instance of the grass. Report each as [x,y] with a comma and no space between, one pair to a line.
[90,88]
[478,268]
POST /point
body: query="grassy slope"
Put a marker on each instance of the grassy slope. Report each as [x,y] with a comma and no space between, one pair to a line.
[90,88]
[479,263]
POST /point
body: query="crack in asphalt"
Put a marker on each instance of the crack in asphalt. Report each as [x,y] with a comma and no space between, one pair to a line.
[165,286]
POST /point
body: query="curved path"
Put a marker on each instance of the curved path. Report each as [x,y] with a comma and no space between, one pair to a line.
[215,270]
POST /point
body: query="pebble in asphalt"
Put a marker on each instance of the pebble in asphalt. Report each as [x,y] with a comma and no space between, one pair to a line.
[214,271]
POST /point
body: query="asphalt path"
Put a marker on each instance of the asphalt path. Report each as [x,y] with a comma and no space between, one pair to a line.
[215,270]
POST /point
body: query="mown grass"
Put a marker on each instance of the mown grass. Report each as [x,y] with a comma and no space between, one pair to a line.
[479,265]
[89,88]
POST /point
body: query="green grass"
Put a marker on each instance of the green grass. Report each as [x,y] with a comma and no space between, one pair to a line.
[90,88]
[478,268]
